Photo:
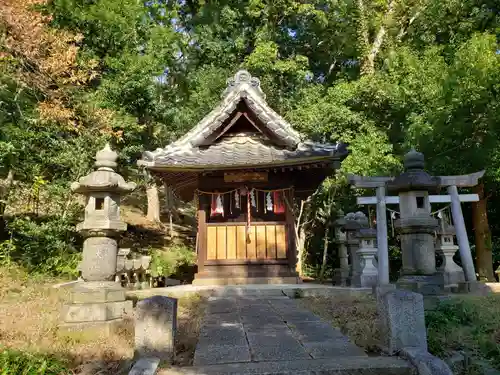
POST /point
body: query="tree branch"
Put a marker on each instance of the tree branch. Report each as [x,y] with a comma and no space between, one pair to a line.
[404,29]
[369,64]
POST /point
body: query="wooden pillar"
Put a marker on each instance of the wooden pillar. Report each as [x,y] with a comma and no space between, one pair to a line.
[290,231]
[202,234]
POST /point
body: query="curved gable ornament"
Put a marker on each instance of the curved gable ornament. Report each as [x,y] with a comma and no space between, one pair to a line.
[243,77]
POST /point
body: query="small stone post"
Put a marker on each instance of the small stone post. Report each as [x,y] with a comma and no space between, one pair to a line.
[450,272]
[99,300]
[353,223]
[341,274]
[368,272]
[155,328]
[403,332]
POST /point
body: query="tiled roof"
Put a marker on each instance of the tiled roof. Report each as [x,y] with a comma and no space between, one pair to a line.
[245,150]
[288,146]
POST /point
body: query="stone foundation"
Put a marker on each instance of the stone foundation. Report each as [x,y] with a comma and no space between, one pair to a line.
[94,304]
[426,285]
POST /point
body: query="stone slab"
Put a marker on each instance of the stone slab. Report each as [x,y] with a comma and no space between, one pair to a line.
[97,292]
[222,306]
[275,346]
[315,332]
[96,312]
[294,317]
[402,319]
[156,327]
[266,328]
[426,362]
[222,319]
[337,366]
[228,334]
[336,348]
[216,354]
[145,366]
[304,290]
[245,280]
[261,320]
[426,285]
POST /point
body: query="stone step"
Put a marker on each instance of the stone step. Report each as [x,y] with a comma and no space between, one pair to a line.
[337,366]
[245,280]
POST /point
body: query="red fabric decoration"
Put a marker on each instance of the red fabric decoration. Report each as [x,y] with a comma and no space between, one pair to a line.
[279,204]
[216,209]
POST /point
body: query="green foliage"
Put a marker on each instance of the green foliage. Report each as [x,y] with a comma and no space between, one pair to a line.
[42,245]
[16,363]
[159,67]
[168,262]
[468,324]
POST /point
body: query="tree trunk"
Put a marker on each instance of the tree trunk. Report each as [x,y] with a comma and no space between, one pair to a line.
[482,234]
[301,243]
[153,202]
[300,238]
[325,256]
[5,187]
[370,49]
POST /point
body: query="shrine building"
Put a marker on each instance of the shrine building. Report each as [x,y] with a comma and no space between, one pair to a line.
[244,166]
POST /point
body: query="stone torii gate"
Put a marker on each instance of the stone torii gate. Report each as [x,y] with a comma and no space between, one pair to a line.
[381,200]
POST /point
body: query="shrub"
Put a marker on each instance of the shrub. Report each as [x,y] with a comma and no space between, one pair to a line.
[42,245]
[16,362]
[468,324]
[167,262]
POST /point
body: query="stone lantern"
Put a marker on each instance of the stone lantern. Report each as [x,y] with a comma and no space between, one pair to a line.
[342,273]
[353,223]
[99,299]
[368,272]
[416,226]
[451,273]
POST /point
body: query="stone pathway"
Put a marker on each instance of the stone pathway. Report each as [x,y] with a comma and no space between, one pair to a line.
[260,329]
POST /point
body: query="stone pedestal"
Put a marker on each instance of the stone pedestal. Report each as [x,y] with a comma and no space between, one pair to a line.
[99,302]
[95,304]
[368,272]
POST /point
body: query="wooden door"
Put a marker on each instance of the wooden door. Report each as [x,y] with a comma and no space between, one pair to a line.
[230,242]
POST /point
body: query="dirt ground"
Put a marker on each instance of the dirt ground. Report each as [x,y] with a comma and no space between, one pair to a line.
[355,316]
[29,314]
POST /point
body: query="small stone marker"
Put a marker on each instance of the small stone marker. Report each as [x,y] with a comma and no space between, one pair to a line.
[403,330]
[155,328]
[403,320]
